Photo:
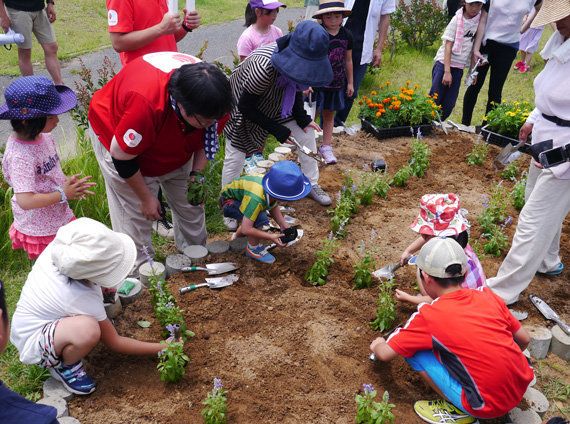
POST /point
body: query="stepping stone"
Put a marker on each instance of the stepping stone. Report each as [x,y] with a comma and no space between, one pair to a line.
[114,309]
[518,416]
[276,157]
[218,246]
[560,343]
[145,271]
[58,403]
[54,388]
[540,338]
[196,252]
[68,420]
[174,263]
[536,401]
[133,294]
[283,150]
[239,244]
[519,315]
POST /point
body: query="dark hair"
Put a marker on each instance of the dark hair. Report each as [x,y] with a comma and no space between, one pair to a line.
[250,16]
[202,89]
[29,128]
[557,420]
[451,281]
[462,238]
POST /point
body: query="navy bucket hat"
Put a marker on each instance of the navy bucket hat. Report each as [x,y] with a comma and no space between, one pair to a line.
[303,55]
[285,181]
[35,97]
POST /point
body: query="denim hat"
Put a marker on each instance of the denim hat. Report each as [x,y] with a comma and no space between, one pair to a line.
[303,55]
[35,97]
[266,4]
[285,181]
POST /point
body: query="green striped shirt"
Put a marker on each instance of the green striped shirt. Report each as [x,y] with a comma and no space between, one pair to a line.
[249,191]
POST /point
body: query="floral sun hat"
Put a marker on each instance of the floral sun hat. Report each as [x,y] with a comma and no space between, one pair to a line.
[440,215]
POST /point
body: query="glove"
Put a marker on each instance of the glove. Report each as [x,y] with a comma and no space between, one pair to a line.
[196,189]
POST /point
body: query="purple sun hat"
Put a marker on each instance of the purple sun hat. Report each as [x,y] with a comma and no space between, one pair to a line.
[35,97]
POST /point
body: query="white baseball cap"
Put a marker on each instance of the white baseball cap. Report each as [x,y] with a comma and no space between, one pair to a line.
[438,254]
[85,249]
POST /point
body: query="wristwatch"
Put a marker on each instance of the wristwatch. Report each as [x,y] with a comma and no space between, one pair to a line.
[62,194]
[50,2]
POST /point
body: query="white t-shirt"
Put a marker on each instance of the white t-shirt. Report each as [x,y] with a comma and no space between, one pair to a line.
[505,20]
[460,60]
[48,296]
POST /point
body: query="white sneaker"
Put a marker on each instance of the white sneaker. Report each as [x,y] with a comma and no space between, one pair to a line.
[163,230]
[338,130]
[230,223]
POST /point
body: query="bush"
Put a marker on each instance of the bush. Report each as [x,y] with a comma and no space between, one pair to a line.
[507,118]
[420,23]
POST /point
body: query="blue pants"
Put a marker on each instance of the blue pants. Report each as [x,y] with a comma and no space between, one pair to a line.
[230,209]
[425,360]
[446,96]
[358,73]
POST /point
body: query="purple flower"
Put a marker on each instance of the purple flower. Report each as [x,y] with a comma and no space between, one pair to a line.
[169,305]
[173,329]
[485,201]
[218,383]
[508,221]
[146,252]
[368,388]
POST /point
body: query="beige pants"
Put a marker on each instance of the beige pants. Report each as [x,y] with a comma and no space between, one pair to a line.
[124,206]
[27,23]
[536,244]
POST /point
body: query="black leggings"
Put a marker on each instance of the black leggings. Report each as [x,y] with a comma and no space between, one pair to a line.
[501,59]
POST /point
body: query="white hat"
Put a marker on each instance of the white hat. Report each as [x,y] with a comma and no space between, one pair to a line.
[438,254]
[551,11]
[85,249]
[475,1]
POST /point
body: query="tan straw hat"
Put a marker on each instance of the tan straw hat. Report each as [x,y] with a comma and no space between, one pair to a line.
[331,6]
[551,11]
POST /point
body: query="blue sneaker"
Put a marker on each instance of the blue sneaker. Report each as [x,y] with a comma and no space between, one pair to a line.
[259,254]
[74,378]
[250,166]
[556,271]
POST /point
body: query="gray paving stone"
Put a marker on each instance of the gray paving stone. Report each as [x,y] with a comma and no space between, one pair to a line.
[174,263]
[540,338]
[196,252]
[560,343]
[58,403]
[239,244]
[518,416]
[218,246]
[536,401]
[54,388]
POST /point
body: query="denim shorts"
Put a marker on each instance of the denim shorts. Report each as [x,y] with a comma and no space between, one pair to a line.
[230,209]
[425,360]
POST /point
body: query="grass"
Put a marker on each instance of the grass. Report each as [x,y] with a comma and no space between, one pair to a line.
[81,27]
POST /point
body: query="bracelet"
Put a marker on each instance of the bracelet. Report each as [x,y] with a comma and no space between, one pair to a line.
[186,28]
[62,194]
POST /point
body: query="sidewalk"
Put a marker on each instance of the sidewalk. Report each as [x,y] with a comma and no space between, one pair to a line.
[222,39]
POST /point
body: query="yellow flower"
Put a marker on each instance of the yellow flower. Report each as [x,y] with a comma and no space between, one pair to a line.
[373,93]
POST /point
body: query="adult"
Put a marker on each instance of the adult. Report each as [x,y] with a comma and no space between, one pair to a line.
[498,37]
[27,17]
[368,17]
[536,244]
[138,27]
[267,90]
[151,125]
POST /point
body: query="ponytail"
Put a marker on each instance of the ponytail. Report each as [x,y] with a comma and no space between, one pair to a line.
[250,16]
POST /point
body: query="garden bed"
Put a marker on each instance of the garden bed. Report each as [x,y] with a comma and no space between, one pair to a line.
[289,352]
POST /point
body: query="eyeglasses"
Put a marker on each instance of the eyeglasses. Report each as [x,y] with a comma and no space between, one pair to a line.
[204,124]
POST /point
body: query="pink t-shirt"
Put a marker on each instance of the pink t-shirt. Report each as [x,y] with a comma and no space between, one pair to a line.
[251,39]
[33,166]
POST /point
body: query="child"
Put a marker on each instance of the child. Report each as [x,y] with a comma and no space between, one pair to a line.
[15,409]
[60,316]
[247,197]
[259,18]
[454,55]
[441,216]
[529,42]
[31,164]
[466,345]
[331,97]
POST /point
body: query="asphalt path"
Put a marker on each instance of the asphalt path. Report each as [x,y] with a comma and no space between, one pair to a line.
[221,38]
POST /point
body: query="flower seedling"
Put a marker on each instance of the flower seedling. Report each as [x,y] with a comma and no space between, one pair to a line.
[401,177]
[368,411]
[172,359]
[381,186]
[386,307]
[216,405]
[496,242]
[478,154]
[317,274]
[419,160]
[511,171]
[365,191]
[363,272]
[517,194]
[508,117]
[347,205]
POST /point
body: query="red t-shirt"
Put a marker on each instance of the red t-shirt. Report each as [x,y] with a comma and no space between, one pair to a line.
[135,108]
[471,333]
[135,15]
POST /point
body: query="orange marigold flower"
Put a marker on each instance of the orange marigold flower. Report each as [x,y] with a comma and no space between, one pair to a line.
[396,107]
[390,107]
[360,102]
[378,114]
[386,100]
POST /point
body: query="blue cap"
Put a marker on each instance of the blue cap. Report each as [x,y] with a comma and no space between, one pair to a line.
[285,181]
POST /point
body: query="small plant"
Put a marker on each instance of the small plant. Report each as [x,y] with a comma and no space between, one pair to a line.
[496,242]
[365,191]
[495,206]
[507,118]
[419,160]
[216,405]
[517,193]
[172,359]
[346,206]
[386,307]
[381,186]
[478,154]
[317,274]
[363,272]
[401,177]
[511,171]
[368,411]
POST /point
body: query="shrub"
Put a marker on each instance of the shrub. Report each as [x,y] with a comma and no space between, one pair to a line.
[386,307]
[507,118]
[420,23]
[511,171]
[381,186]
[401,177]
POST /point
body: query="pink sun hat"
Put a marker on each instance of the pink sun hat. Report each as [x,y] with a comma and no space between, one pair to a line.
[440,215]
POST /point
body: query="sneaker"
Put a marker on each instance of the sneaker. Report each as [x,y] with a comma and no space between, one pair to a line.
[257,157]
[230,223]
[326,152]
[249,165]
[524,68]
[518,65]
[441,411]
[554,272]
[259,253]
[338,129]
[74,378]
[164,228]
[320,196]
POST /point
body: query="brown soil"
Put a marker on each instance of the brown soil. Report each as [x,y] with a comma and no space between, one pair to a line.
[289,352]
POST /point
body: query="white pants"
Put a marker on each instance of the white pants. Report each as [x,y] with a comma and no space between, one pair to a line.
[536,244]
[235,159]
[124,206]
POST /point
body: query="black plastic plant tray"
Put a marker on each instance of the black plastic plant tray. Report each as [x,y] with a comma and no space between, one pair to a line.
[408,131]
[501,140]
